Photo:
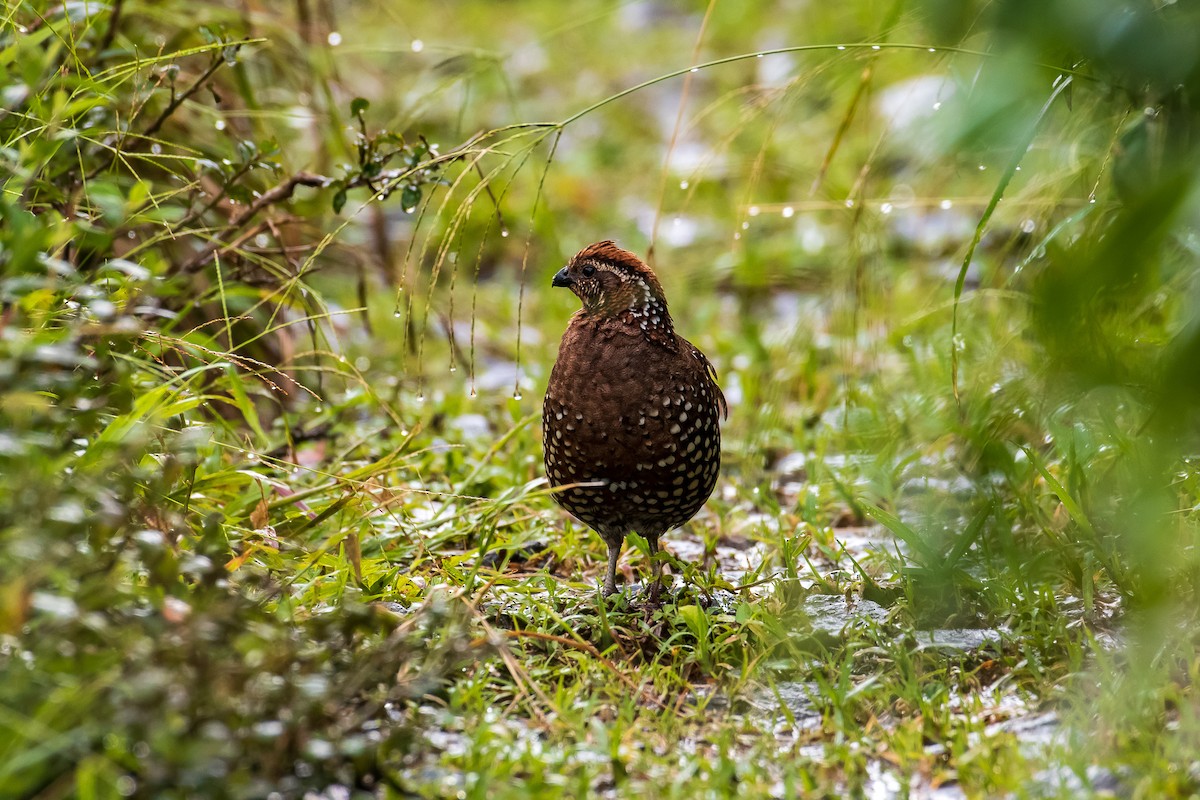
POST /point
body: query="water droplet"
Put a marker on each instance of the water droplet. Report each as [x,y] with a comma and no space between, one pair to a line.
[1018,169]
[683,184]
[982,167]
[849,203]
[788,211]
[453,368]
[420,397]
[131,235]
[262,240]
[841,47]
[937,105]
[745,225]
[885,208]
[874,47]
[517,395]
[417,45]
[760,55]
[397,314]
[219,124]
[156,148]
[737,236]
[945,205]
[334,38]
[1092,199]
[754,211]
[472,394]
[694,69]
[504,233]
[1028,226]
[933,49]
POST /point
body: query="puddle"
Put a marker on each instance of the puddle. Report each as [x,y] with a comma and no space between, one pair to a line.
[832,614]
[956,641]
[735,557]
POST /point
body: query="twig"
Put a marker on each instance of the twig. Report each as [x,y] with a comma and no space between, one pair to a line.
[172,107]
[114,21]
[276,194]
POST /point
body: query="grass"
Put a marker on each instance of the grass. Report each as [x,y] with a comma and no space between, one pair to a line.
[273,338]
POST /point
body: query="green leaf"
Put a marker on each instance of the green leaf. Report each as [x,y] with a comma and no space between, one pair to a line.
[339,200]
[359,105]
[410,197]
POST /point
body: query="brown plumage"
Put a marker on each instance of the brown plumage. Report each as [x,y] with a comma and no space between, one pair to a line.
[631,410]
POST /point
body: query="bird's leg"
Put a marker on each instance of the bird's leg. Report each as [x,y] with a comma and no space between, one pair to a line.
[656,568]
[610,579]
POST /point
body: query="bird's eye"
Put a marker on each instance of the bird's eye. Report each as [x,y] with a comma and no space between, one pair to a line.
[588,270]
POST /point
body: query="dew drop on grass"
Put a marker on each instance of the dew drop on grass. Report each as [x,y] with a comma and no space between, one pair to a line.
[219,124]
[417,45]
[453,368]
[841,47]
[504,233]
[849,203]
[754,211]
[1028,226]
[946,205]
[788,211]
[683,184]
[517,396]
[885,208]
[745,225]
[334,38]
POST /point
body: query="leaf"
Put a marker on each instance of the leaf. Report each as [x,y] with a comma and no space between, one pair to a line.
[902,531]
[358,105]
[259,516]
[410,197]
[339,201]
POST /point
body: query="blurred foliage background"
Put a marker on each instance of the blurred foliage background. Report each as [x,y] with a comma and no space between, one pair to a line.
[275,321]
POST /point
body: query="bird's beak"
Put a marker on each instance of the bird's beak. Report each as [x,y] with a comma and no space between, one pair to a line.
[561,278]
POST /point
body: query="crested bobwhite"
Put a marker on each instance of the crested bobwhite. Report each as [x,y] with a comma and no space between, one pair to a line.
[630,422]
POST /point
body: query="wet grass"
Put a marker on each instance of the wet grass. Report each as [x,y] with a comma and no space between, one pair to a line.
[272,513]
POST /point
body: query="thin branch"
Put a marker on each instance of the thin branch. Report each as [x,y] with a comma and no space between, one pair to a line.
[114,22]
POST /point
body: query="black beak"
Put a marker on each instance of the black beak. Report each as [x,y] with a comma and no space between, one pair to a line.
[561,278]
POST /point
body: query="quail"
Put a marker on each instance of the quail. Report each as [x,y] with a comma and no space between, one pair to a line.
[630,421]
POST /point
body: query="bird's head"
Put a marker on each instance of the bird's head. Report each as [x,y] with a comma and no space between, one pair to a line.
[611,281]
